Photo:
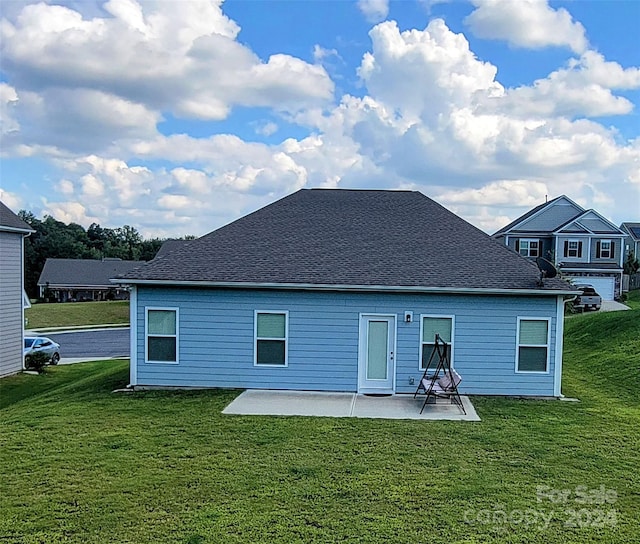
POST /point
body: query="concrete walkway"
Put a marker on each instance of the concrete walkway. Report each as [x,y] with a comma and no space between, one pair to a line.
[68,330]
[74,360]
[613,306]
[321,404]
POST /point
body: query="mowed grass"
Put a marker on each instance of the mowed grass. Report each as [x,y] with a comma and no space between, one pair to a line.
[82,464]
[633,299]
[70,314]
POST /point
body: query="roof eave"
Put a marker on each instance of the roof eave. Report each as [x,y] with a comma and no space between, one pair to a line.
[77,286]
[17,230]
[590,269]
[346,287]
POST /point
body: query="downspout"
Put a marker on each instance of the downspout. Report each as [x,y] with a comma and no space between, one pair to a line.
[133,336]
[559,348]
[22,292]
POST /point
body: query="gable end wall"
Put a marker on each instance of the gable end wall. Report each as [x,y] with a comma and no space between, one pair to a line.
[549,219]
[11,327]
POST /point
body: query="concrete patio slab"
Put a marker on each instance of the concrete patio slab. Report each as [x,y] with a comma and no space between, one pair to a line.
[321,404]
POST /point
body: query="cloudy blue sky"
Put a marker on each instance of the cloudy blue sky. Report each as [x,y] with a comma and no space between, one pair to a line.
[177,117]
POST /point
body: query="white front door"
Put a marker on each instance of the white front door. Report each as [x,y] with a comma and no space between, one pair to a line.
[376,358]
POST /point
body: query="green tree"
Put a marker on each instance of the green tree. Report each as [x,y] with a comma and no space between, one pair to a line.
[631,265]
[55,239]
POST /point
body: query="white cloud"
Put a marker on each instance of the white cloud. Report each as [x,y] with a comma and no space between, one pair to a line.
[8,102]
[13,201]
[431,117]
[582,88]
[518,192]
[374,10]
[267,129]
[526,23]
[422,73]
[320,53]
[70,212]
[178,57]
[436,119]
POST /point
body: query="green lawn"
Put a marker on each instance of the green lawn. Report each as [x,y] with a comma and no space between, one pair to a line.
[70,314]
[81,464]
[633,299]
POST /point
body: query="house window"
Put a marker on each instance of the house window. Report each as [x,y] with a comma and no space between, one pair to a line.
[533,345]
[528,247]
[604,249]
[162,335]
[432,325]
[573,248]
[271,329]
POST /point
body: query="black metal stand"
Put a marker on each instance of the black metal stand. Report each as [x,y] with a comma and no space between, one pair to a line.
[434,385]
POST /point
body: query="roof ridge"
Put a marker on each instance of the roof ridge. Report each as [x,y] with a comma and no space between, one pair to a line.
[359,190]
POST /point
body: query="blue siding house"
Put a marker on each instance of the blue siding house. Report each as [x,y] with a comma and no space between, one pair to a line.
[344,290]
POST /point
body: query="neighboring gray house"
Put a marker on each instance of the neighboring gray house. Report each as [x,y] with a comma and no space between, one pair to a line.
[584,245]
[632,241]
[71,280]
[344,290]
[12,298]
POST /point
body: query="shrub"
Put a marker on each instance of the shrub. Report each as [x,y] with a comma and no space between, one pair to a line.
[36,361]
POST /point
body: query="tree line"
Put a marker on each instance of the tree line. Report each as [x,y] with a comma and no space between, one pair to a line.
[55,239]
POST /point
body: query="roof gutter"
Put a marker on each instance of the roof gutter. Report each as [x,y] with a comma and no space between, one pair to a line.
[589,269]
[25,232]
[335,287]
[75,286]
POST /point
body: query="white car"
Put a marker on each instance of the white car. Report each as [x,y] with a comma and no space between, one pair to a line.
[41,344]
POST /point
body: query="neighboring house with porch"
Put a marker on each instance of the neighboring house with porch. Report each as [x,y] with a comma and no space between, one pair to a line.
[13,300]
[77,280]
[344,290]
[584,245]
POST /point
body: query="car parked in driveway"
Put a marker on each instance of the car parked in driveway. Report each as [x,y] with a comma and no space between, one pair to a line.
[41,344]
[588,299]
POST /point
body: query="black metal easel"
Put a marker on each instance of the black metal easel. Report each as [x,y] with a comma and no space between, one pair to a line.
[435,385]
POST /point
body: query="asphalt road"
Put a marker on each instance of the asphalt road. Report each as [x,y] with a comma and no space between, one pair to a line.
[100,343]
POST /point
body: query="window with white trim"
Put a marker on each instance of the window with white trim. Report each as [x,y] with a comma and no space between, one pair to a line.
[533,345]
[161,335]
[429,327]
[528,247]
[604,249]
[573,248]
[271,332]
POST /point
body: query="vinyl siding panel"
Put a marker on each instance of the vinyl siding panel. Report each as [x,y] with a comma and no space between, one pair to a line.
[216,342]
[597,225]
[589,250]
[550,218]
[11,327]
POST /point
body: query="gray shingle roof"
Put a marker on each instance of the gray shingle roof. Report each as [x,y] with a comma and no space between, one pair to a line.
[170,245]
[11,221]
[525,216]
[349,238]
[84,272]
[633,229]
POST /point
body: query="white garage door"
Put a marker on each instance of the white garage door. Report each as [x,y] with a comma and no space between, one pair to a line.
[604,286]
